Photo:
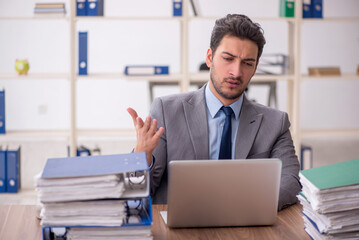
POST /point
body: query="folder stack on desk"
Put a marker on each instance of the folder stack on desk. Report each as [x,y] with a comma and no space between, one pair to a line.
[330,199]
[96,197]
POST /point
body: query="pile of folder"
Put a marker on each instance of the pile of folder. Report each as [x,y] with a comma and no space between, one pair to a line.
[330,199]
[95,197]
[50,9]
[273,64]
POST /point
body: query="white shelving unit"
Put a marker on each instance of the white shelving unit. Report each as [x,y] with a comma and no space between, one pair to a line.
[184,78]
[300,78]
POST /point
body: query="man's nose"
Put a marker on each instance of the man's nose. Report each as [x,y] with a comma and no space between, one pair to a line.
[236,70]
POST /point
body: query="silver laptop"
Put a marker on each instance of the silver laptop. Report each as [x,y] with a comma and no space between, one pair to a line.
[211,193]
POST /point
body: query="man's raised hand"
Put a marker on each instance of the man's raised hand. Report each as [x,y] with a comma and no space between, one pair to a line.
[147,133]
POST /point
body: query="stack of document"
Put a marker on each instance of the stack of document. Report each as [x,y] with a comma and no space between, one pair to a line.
[103,196]
[330,199]
[79,188]
[84,213]
[273,64]
[52,9]
[133,233]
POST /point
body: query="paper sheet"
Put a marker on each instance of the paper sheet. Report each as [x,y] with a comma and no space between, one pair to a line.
[164,216]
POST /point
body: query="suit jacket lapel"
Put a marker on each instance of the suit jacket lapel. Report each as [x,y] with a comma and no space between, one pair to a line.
[196,116]
[249,123]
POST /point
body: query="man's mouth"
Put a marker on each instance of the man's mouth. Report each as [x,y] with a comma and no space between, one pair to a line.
[232,82]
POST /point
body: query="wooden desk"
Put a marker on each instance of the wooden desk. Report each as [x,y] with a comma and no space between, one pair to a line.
[20,222]
[290,225]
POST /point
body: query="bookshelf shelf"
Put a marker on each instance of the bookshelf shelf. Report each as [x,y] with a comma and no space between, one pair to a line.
[330,20]
[184,78]
[35,134]
[345,76]
[128,18]
[34,76]
[23,197]
[131,133]
[256,19]
[154,78]
[204,76]
[330,132]
[194,77]
[38,18]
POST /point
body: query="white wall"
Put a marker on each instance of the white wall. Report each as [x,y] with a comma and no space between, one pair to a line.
[42,104]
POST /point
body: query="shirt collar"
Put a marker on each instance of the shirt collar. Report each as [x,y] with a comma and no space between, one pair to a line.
[214,105]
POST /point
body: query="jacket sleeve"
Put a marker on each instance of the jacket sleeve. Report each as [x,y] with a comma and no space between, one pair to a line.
[160,153]
[283,149]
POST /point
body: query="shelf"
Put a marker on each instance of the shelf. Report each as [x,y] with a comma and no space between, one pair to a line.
[24,197]
[34,134]
[330,133]
[345,76]
[150,78]
[176,78]
[204,77]
[128,18]
[45,17]
[167,18]
[106,133]
[65,134]
[255,19]
[34,76]
[330,20]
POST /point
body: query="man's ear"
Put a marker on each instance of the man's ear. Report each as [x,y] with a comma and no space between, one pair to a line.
[209,57]
[255,69]
[257,64]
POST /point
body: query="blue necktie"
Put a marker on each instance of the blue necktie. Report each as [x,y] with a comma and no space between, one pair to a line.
[225,151]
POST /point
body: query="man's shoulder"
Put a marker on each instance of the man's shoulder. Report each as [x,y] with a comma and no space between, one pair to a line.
[265,110]
[270,116]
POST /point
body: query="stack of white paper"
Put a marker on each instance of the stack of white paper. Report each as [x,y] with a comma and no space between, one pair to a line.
[340,198]
[110,233]
[332,223]
[330,199]
[79,188]
[84,213]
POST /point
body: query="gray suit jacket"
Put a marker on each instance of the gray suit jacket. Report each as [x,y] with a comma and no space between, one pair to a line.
[263,133]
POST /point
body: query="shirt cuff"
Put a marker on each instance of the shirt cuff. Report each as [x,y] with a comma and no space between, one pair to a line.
[152,163]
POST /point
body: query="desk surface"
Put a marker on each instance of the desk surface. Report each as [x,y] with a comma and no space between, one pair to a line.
[20,222]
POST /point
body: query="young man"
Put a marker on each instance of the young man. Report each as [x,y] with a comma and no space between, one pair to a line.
[199,124]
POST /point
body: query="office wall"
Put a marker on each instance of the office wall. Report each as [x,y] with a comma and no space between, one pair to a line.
[101,103]
[113,44]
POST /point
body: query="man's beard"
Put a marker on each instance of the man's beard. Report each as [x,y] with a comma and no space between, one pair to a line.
[218,87]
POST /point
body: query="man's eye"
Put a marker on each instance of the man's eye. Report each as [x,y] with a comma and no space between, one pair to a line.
[228,59]
[249,64]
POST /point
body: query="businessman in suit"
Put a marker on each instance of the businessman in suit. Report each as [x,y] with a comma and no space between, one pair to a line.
[218,121]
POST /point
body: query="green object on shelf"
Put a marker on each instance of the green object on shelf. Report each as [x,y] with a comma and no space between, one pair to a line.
[22,66]
[286,8]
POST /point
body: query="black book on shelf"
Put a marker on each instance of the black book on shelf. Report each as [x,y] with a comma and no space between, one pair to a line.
[2,112]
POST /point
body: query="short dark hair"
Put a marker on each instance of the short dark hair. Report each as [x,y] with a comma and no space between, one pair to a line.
[240,26]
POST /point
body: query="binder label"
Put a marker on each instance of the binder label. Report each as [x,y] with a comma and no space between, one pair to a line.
[177,8]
